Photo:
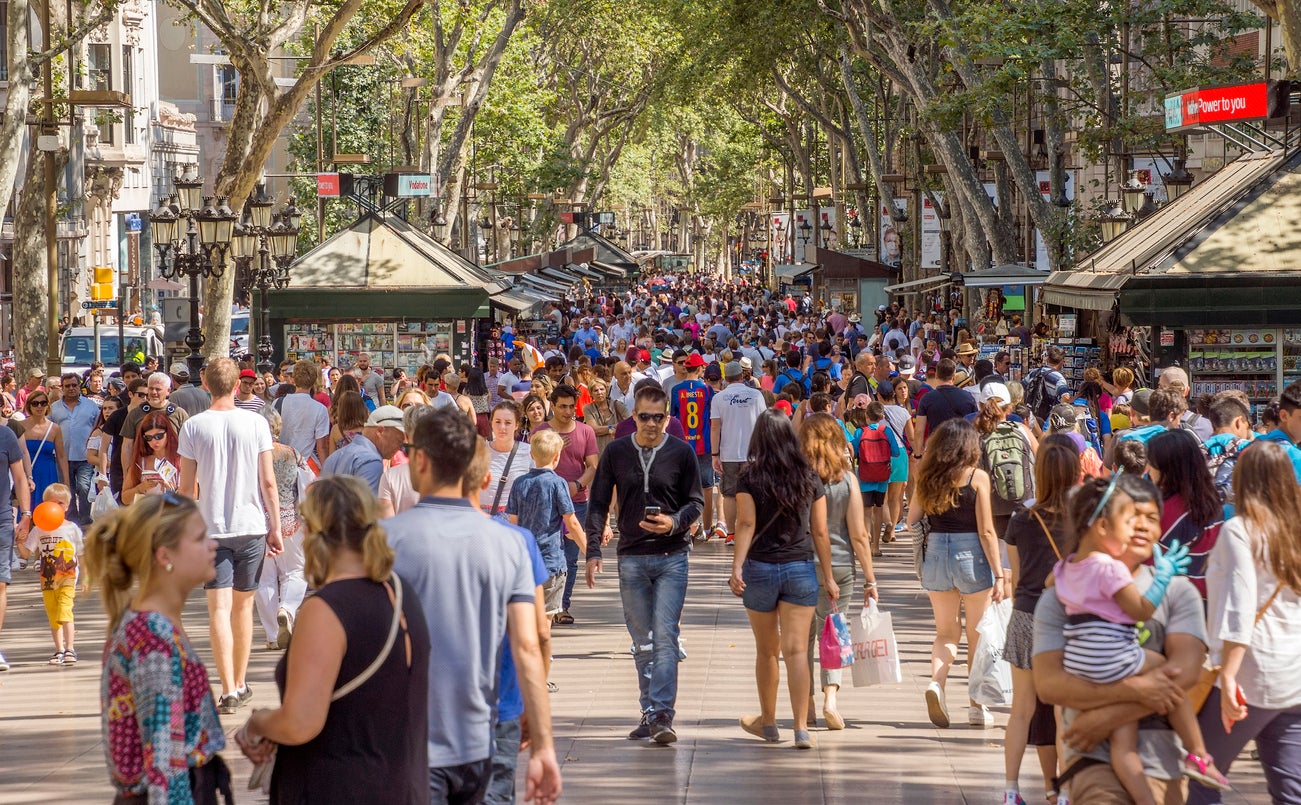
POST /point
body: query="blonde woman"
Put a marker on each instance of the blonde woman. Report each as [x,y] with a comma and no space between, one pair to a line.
[156,706]
[362,624]
[823,441]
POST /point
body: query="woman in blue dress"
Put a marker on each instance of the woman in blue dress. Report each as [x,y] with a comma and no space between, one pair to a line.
[44,445]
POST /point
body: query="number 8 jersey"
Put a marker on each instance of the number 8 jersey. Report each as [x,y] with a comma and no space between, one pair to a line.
[689,403]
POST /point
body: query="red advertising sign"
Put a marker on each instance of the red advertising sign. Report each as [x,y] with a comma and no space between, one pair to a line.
[1204,107]
[327,185]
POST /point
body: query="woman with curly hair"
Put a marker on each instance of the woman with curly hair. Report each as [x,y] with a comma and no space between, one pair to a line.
[959,555]
[773,568]
[822,439]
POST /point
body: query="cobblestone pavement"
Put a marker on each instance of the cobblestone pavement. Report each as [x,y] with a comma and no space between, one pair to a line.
[51,750]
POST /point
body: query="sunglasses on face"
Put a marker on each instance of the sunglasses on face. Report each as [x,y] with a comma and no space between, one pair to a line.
[155,437]
[35,403]
[647,418]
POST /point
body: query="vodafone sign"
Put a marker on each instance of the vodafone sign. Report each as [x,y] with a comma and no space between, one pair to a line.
[1203,107]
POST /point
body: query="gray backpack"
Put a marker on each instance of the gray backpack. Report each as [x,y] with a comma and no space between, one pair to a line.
[1008,461]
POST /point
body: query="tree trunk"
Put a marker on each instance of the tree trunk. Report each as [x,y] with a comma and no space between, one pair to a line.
[14,124]
[31,284]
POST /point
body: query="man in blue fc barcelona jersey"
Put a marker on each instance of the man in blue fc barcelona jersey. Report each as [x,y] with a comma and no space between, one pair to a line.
[689,404]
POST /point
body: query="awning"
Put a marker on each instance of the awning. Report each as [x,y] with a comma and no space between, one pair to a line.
[1083,290]
[516,300]
[916,286]
[793,271]
[613,272]
[998,276]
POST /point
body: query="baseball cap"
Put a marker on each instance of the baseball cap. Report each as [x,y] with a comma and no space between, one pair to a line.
[1141,402]
[34,372]
[735,369]
[906,365]
[179,370]
[881,307]
[695,361]
[643,355]
[991,390]
[713,372]
[885,389]
[248,373]
[386,416]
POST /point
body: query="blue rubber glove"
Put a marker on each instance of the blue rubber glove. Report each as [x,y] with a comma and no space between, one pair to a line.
[1168,565]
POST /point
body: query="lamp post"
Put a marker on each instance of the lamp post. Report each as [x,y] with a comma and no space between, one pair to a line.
[273,239]
[1132,191]
[855,231]
[1114,222]
[199,251]
[1177,180]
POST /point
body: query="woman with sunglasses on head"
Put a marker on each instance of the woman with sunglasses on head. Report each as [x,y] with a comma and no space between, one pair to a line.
[99,442]
[781,524]
[959,556]
[44,444]
[155,464]
[335,740]
[1253,584]
[160,723]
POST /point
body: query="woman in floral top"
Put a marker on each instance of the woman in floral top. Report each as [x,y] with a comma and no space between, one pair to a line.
[161,731]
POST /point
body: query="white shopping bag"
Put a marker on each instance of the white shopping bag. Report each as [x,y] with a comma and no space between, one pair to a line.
[990,683]
[876,654]
[101,502]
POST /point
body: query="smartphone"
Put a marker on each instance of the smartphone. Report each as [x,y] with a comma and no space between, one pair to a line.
[651,511]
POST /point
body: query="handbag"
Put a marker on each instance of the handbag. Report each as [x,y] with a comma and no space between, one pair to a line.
[1201,691]
[836,649]
[260,779]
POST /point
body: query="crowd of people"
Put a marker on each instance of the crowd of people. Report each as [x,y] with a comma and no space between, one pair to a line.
[1145,543]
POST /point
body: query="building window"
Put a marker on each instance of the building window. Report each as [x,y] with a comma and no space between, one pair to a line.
[229,83]
[4,41]
[128,84]
[99,70]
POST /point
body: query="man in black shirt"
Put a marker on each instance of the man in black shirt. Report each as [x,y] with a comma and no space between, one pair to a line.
[134,398]
[941,404]
[658,484]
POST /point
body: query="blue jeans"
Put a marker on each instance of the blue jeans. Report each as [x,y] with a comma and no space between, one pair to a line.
[571,554]
[653,590]
[505,756]
[81,474]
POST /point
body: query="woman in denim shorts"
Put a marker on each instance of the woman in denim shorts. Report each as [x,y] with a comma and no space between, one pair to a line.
[781,521]
[959,555]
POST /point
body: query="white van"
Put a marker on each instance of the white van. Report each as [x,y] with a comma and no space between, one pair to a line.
[77,346]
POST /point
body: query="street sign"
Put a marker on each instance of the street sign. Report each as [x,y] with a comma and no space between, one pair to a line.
[1232,104]
[99,304]
[408,185]
[327,185]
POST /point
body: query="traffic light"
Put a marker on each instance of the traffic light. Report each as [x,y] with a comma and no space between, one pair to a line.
[105,279]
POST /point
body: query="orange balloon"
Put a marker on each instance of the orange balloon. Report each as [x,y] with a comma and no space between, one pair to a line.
[47,516]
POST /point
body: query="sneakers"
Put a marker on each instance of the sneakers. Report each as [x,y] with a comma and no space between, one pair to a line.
[1011,797]
[730,539]
[273,645]
[56,658]
[978,715]
[228,704]
[284,627]
[661,730]
[643,730]
[935,706]
[70,657]
[1202,769]
[4,664]
[244,695]
[719,531]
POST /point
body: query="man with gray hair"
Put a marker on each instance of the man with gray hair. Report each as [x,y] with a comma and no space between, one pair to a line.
[365,455]
[158,389]
[1176,379]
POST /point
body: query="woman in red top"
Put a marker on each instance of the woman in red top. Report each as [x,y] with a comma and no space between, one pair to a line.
[1191,512]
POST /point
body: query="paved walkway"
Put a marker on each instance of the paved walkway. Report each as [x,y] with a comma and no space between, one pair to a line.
[50,747]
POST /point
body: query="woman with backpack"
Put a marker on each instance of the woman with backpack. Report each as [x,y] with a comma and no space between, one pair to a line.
[958,555]
[1007,453]
[894,396]
[1191,511]
[877,449]
[823,442]
[1033,537]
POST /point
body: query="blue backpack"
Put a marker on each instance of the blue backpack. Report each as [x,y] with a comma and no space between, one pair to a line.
[820,365]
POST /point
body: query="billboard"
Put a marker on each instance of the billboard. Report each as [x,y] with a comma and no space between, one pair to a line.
[1240,102]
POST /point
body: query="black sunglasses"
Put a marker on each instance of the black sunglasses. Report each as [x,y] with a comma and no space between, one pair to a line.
[139,394]
[656,418]
[157,437]
[38,402]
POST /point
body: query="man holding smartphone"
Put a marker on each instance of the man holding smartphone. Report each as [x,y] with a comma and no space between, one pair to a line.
[658,484]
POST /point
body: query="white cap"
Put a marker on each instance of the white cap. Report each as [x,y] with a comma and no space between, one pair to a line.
[991,390]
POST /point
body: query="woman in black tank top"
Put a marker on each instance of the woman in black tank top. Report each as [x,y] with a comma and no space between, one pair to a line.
[960,555]
[366,744]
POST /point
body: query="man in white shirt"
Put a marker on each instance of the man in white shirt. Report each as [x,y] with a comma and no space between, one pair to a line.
[306,425]
[509,378]
[732,414]
[226,464]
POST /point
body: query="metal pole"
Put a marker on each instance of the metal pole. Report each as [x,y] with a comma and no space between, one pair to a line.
[191,264]
[264,347]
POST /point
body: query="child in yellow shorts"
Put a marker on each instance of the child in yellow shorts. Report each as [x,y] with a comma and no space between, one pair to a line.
[60,552]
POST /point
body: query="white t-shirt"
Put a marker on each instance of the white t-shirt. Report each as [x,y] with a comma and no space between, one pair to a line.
[736,409]
[303,420]
[225,446]
[522,464]
[506,380]
[395,487]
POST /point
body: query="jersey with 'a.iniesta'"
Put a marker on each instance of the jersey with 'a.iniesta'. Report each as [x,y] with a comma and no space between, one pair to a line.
[689,403]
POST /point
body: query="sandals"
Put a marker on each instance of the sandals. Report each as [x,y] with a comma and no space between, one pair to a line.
[563,618]
[1202,769]
[56,658]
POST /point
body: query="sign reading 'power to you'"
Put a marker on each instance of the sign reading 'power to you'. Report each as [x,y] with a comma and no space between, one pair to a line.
[1204,107]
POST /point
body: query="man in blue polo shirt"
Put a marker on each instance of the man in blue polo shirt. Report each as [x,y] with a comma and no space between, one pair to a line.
[473,577]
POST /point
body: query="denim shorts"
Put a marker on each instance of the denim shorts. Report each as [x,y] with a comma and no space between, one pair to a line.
[6,547]
[956,561]
[766,584]
[239,563]
[707,476]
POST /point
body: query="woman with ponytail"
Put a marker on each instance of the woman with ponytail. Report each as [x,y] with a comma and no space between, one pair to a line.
[351,726]
[162,733]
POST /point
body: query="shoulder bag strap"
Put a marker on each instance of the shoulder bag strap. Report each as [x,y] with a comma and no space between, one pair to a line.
[1261,613]
[396,596]
[1047,533]
[501,482]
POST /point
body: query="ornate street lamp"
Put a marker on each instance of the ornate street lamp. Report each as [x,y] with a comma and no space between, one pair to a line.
[855,230]
[271,238]
[1114,222]
[806,231]
[1177,180]
[199,251]
[1132,191]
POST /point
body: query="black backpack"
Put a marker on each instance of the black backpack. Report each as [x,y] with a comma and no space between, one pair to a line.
[1039,393]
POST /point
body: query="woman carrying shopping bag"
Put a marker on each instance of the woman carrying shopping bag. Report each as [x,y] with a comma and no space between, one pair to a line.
[823,442]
